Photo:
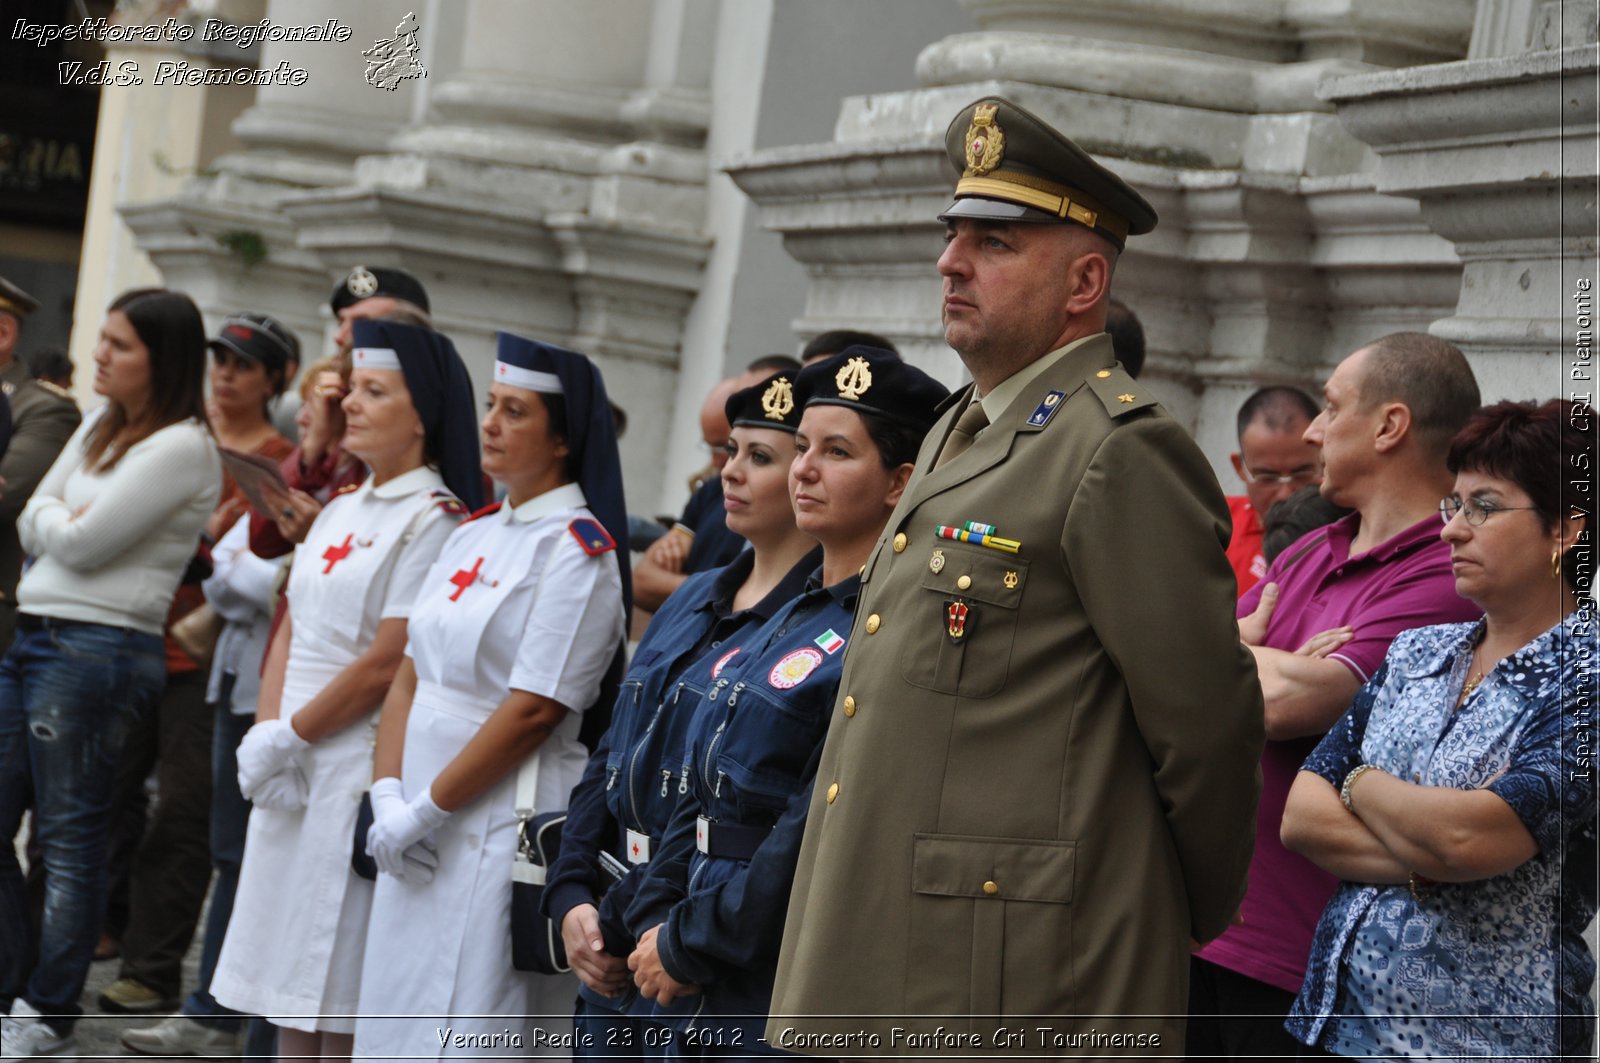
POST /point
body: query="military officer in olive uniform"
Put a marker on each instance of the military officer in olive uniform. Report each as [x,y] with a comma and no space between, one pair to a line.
[1039,782]
[43,418]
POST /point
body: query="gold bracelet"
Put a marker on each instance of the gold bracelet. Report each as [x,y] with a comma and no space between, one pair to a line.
[1349,781]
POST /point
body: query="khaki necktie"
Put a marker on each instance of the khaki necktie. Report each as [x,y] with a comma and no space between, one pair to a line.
[972,421]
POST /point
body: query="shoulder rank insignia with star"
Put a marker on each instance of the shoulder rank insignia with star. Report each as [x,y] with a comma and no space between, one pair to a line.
[592,536]
[492,507]
[1119,392]
[450,503]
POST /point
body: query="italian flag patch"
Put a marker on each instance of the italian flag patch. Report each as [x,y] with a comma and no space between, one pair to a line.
[830,641]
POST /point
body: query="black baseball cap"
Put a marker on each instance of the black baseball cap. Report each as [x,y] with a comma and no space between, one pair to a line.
[258,338]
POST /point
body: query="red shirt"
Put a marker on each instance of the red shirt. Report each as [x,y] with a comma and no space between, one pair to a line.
[1244,549]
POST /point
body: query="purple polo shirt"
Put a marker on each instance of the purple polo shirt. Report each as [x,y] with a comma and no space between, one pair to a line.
[1399,584]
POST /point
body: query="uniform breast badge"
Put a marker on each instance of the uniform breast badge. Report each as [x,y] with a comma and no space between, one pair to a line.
[467,577]
[1010,581]
[959,619]
[936,562]
[793,669]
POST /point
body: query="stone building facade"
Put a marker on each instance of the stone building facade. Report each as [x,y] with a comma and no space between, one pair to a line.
[677,186]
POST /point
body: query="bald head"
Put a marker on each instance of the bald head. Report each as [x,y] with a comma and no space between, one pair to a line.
[714,427]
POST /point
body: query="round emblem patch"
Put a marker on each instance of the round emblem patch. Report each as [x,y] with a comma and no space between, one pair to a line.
[793,669]
[716,669]
[361,282]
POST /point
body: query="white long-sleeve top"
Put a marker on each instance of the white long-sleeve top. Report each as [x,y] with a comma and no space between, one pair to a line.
[240,590]
[119,561]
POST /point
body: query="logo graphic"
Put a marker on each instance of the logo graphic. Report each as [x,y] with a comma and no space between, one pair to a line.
[777,402]
[395,60]
[722,662]
[361,282]
[957,615]
[793,669]
[986,141]
[853,378]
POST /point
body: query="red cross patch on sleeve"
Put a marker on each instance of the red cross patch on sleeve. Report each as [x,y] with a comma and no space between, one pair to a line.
[593,537]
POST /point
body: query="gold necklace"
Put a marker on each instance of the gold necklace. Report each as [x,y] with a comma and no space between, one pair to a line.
[1471,685]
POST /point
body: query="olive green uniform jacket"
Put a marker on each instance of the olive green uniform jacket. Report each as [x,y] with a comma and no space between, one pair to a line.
[1033,818]
[43,418]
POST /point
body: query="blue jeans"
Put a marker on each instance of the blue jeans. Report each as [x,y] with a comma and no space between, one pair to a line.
[68,693]
[230,815]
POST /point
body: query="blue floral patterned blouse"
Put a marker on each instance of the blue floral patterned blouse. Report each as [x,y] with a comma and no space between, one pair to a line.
[1496,967]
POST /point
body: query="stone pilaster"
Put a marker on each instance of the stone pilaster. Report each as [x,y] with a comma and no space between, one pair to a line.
[1500,154]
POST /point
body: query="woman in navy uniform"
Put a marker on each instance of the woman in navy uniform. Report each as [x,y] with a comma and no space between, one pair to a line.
[513,631]
[295,941]
[631,784]
[709,914]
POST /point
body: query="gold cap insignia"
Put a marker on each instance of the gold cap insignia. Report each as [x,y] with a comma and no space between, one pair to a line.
[361,282]
[777,402]
[853,378]
[986,141]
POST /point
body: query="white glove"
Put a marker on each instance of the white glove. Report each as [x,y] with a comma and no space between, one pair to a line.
[400,829]
[284,791]
[266,748]
[388,797]
[388,801]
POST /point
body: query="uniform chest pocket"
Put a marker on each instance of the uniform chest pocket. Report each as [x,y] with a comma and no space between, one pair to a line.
[964,621]
[761,755]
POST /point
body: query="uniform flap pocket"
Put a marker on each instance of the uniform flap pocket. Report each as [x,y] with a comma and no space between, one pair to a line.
[1009,869]
[976,574]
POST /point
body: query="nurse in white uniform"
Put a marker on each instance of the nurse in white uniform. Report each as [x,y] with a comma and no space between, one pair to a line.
[295,942]
[512,632]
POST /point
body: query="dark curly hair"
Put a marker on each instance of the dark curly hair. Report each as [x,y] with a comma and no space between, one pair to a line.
[1546,449]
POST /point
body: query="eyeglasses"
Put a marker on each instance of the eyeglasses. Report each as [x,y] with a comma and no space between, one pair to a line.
[1476,510]
[1300,477]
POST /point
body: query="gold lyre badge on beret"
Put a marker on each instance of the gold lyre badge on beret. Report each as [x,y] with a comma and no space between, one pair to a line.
[853,378]
[986,141]
[361,282]
[777,402]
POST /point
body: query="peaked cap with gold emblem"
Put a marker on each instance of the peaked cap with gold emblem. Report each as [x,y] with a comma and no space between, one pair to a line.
[1016,167]
[872,380]
[14,300]
[769,404]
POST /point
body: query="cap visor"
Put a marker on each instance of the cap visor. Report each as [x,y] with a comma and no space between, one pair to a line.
[996,210]
[221,341]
